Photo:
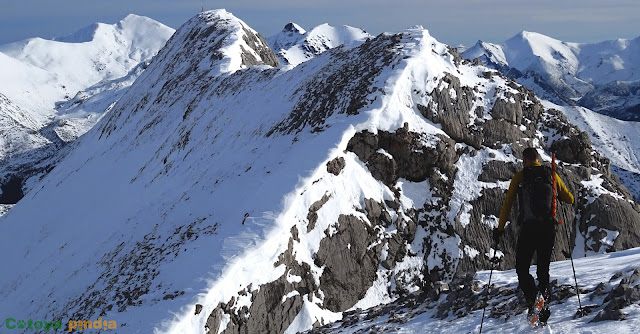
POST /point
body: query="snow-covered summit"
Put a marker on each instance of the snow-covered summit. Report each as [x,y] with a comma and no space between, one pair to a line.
[82,59]
[601,76]
[288,37]
[294,45]
[217,42]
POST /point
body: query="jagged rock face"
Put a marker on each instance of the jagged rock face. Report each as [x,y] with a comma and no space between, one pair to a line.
[452,113]
[257,43]
[452,228]
[342,88]
[349,271]
[458,300]
[407,157]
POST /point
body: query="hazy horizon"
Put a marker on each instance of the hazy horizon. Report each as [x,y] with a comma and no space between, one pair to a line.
[464,22]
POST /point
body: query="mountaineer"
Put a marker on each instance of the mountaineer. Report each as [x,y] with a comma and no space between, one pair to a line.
[536,194]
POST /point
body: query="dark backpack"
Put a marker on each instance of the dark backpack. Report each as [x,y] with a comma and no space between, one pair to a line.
[536,194]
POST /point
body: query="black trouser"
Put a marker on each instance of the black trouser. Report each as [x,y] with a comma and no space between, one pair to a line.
[537,237]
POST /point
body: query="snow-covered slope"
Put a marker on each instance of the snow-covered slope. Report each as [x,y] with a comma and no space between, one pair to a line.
[71,64]
[18,130]
[30,87]
[79,114]
[609,285]
[294,45]
[20,141]
[615,139]
[270,199]
[601,76]
[94,66]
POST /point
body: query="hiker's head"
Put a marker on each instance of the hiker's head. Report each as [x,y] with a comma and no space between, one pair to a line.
[530,156]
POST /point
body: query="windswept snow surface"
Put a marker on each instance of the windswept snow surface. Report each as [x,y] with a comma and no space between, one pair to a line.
[294,45]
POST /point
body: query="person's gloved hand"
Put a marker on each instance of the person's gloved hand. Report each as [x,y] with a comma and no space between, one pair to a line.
[497,234]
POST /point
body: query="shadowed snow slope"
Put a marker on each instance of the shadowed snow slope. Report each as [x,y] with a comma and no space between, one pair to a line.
[270,199]
[18,130]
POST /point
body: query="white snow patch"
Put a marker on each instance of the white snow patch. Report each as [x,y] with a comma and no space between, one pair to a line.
[470,251]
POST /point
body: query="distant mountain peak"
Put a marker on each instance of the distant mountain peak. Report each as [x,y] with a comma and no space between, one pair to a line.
[220,43]
[292,27]
[294,45]
[77,61]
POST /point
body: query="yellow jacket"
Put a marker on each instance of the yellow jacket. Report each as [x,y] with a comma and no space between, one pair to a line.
[563,193]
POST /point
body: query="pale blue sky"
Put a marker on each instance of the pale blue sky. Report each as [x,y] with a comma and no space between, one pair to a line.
[452,22]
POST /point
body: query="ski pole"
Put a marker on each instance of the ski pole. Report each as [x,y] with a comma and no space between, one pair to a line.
[495,260]
[581,312]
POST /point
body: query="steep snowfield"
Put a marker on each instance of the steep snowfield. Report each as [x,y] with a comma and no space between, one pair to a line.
[294,45]
[57,69]
[103,211]
[222,180]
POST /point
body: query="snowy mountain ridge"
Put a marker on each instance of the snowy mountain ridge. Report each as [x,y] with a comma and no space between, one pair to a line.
[294,45]
[276,198]
[40,77]
[604,76]
[73,63]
